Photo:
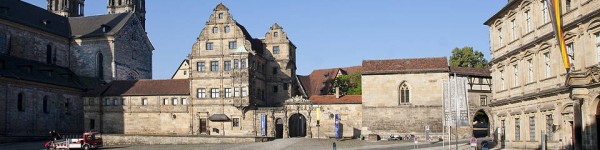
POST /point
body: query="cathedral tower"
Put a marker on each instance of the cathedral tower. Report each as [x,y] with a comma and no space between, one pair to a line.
[127,6]
[67,8]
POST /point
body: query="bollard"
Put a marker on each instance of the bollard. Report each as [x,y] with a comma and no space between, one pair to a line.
[334,147]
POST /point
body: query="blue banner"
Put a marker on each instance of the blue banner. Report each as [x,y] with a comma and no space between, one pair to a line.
[337,126]
[263,125]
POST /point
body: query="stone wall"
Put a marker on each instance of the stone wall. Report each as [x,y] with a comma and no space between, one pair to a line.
[402,119]
[154,139]
[28,43]
[85,56]
[133,52]
[33,121]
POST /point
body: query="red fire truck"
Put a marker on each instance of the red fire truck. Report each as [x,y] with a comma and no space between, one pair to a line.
[89,140]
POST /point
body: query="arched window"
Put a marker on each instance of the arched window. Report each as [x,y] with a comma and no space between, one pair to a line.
[20,102]
[404,93]
[45,104]
[48,54]
[100,66]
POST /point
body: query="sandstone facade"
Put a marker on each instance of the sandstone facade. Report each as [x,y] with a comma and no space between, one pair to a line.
[534,95]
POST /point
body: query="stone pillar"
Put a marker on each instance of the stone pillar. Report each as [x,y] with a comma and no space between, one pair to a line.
[308,125]
[577,120]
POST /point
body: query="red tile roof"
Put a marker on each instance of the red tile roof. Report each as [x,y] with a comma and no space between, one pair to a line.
[405,65]
[330,99]
[143,87]
[483,72]
[313,83]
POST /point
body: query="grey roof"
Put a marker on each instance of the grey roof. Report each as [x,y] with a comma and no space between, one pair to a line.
[35,17]
[29,70]
[218,117]
[91,26]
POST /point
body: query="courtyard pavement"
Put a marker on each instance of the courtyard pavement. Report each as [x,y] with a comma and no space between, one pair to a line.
[279,144]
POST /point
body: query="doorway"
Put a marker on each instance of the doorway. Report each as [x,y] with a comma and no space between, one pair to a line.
[202,128]
[279,128]
[297,125]
[481,124]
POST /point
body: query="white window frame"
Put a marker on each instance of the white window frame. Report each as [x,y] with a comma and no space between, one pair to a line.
[201,93]
[184,101]
[244,92]
[214,93]
[500,40]
[527,21]
[165,101]
[547,64]
[571,53]
[513,29]
[236,92]
[227,92]
[530,70]
[516,75]
[502,84]
[144,101]
[175,101]
[544,11]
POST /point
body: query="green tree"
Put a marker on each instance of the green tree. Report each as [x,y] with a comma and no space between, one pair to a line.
[467,57]
[349,84]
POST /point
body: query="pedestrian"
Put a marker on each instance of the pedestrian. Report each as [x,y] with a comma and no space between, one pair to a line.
[55,135]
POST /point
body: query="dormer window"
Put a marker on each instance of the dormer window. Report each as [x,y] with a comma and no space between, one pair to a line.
[275,34]
[220,15]
[105,28]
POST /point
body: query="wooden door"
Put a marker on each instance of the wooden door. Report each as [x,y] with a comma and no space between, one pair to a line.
[203,126]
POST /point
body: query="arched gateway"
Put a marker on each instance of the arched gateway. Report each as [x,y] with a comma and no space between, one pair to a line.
[297,125]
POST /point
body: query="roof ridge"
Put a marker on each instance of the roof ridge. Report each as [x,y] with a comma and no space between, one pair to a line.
[408,58]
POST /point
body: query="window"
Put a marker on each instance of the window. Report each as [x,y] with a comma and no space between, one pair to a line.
[236,92]
[568,4]
[544,11]
[236,64]
[45,104]
[92,123]
[185,72]
[527,21]
[483,100]
[517,129]
[499,37]
[48,54]
[244,93]
[115,102]
[220,15]
[184,101]
[404,93]
[215,30]
[214,93]
[275,89]
[165,101]
[275,49]
[502,86]
[123,101]
[201,93]
[531,128]
[503,122]
[227,66]
[598,46]
[144,101]
[549,127]
[214,66]
[236,122]
[571,53]
[285,86]
[200,66]
[547,64]
[513,29]
[530,70]
[274,70]
[243,63]
[175,101]
[227,92]
[209,46]
[226,29]
[100,65]
[516,78]
[106,102]
[232,45]
[3,43]
[275,34]
[20,98]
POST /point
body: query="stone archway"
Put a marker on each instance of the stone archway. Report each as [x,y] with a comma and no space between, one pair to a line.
[297,125]
[481,126]
[278,128]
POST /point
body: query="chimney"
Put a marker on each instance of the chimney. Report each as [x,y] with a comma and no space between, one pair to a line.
[337,92]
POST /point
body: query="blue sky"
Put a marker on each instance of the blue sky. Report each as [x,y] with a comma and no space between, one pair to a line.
[328,34]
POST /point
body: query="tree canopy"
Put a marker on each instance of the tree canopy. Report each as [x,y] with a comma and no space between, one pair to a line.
[467,57]
[349,84]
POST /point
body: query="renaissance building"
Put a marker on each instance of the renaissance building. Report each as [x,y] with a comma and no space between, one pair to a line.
[536,102]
